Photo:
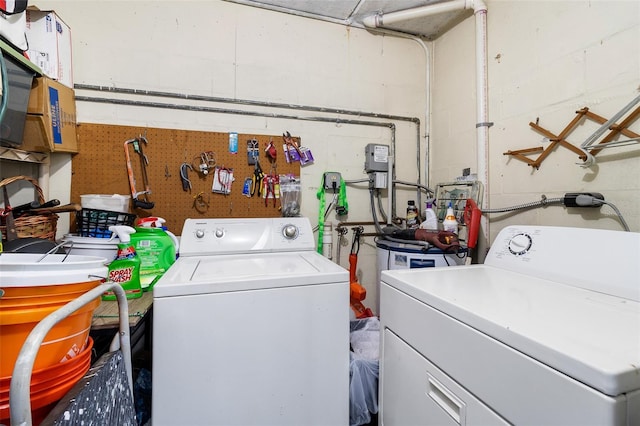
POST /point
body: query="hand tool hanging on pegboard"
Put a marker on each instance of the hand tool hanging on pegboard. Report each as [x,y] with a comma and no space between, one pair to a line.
[204,162]
[256,179]
[143,202]
[222,180]
[184,176]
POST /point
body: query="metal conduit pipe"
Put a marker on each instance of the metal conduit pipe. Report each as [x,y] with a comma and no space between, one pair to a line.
[231,111]
[418,185]
[172,95]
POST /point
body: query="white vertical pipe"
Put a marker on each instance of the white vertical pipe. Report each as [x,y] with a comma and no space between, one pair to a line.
[482,95]
[390,188]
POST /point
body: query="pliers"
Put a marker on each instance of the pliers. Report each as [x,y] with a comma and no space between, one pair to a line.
[256,179]
[269,187]
[288,140]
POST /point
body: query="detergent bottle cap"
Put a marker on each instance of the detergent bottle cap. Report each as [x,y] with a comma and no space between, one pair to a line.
[151,221]
[123,232]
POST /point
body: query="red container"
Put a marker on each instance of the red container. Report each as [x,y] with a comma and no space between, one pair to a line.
[48,385]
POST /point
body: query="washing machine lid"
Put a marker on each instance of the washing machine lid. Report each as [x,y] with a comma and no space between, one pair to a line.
[240,272]
[590,336]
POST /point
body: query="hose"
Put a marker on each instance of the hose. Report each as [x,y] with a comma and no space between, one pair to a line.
[542,203]
[569,200]
[425,245]
[417,185]
[380,206]
[615,209]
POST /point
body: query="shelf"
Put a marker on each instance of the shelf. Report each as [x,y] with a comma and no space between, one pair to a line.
[24,156]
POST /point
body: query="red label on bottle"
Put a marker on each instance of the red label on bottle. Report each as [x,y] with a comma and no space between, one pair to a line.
[121,275]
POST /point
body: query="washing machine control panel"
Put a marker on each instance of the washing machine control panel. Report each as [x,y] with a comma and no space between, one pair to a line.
[228,236]
[290,231]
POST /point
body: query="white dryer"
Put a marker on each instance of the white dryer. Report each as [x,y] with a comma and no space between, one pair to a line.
[546,332]
[250,326]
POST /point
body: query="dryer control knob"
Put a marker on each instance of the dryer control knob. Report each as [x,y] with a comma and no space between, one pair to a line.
[520,244]
[199,233]
[290,231]
[219,233]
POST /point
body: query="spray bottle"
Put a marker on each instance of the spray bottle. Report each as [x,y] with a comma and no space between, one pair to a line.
[450,222]
[156,248]
[125,268]
[431,219]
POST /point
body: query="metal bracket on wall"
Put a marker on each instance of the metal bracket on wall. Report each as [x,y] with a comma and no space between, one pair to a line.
[583,153]
[555,141]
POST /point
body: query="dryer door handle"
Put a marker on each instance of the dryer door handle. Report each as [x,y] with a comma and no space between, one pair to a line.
[447,400]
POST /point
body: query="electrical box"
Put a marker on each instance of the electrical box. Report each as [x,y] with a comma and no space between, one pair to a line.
[376,158]
[332,181]
[378,180]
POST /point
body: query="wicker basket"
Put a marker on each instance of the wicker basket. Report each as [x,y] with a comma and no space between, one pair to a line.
[41,225]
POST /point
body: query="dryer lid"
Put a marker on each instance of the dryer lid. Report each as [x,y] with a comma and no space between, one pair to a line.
[590,336]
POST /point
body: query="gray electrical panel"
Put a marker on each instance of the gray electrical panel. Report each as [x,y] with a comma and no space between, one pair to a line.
[376,158]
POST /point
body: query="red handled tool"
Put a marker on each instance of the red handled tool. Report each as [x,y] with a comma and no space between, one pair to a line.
[472,216]
[143,203]
[270,189]
[357,292]
[289,142]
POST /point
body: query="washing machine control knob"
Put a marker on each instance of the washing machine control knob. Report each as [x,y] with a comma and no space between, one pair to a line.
[199,233]
[219,232]
[290,231]
[520,244]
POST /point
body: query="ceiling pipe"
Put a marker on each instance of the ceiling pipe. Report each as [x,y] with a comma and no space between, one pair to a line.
[482,120]
[382,19]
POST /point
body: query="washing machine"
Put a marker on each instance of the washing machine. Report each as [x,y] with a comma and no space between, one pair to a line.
[545,332]
[251,327]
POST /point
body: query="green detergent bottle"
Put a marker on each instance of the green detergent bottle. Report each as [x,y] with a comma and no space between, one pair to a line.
[156,248]
[125,268]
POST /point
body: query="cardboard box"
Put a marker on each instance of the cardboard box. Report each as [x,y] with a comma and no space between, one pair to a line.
[49,41]
[51,118]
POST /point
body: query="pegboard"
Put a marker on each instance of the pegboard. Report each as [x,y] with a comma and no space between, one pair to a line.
[100,167]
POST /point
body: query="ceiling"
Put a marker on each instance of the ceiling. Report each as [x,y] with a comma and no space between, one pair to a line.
[351,12]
